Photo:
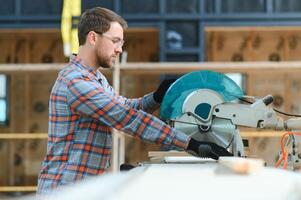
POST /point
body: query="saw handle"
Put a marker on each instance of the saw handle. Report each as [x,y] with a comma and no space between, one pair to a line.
[207,149]
[268,99]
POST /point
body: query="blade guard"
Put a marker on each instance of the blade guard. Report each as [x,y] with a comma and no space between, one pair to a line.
[178,92]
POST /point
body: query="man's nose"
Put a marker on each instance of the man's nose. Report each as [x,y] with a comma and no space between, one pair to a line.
[118,49]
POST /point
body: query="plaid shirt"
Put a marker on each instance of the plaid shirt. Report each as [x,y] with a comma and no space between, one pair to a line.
[83,108]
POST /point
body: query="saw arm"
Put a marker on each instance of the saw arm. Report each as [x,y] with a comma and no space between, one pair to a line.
[256,115]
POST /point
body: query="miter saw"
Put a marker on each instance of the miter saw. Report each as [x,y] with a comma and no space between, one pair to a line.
[209,106]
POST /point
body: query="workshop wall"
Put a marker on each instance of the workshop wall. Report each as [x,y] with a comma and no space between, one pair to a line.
[29,91]
[253,43]
[142,44]
[31,46]
[28,100]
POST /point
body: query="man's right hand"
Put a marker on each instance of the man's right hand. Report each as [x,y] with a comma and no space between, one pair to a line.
[206,149]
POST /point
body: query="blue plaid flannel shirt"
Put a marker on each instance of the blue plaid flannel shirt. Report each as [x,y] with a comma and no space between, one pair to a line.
[83,108]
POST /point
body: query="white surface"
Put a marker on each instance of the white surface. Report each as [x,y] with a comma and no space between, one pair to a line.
[185,159]
[188,181]
[201,182]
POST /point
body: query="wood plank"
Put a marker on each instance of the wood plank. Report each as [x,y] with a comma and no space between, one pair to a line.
[239,67]
[251,134]
[30,30]
[162,154]
[18,188]
[252,28]
[21,136]
[37,68]
[170,67]
[239,165]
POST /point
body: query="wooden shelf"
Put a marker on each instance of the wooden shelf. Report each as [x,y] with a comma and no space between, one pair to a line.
[252,134]
[227,67]
[171,67]
[21,136]
[252,28]
[29,68]
[18,188]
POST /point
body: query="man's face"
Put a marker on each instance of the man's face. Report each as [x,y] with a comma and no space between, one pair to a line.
[109,46]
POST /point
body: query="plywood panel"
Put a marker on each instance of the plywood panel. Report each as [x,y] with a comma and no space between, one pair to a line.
[31,46]
[268,45]
[293,39]
[267,148]
[18,110]
[35,153]
[142,45]
[253,43]
[4,152]
[18,150]
[263,85]
[46,48]
[295,91]
[7,53]
[137,151]
[40,91]
[226,46]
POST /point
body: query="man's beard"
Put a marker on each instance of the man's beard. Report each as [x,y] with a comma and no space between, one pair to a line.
[106,62]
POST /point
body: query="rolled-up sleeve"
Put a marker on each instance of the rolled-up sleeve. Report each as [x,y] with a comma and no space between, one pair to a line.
[86,97]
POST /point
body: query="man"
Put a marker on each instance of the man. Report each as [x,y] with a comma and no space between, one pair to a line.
[83,108]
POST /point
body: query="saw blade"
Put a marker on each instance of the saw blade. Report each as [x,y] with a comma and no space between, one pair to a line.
[175,96]
[221,132]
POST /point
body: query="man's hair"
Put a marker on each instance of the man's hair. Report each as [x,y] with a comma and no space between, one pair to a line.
[97,19]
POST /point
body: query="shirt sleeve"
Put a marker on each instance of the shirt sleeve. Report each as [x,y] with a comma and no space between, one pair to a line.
[87,97]
[146,103]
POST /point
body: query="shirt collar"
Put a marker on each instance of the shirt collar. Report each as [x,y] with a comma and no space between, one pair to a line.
[77,61]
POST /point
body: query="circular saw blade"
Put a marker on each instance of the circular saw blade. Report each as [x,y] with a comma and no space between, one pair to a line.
[175,96]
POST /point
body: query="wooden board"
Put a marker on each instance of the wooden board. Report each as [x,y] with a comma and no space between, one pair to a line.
[4,151]
[230,165]
[31,46]
[253,43]
[260,85]
[142,44]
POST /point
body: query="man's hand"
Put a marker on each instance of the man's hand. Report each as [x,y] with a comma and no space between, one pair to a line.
[162,89]
[206,149]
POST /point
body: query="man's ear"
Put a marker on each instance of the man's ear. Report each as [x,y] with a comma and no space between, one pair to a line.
[91,38]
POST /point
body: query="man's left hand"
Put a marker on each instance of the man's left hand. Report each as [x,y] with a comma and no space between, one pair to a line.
[162,89]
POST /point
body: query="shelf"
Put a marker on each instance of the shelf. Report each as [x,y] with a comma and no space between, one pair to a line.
[172,67]
[18,188]
[21,136]
[252,134]
[226,67]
